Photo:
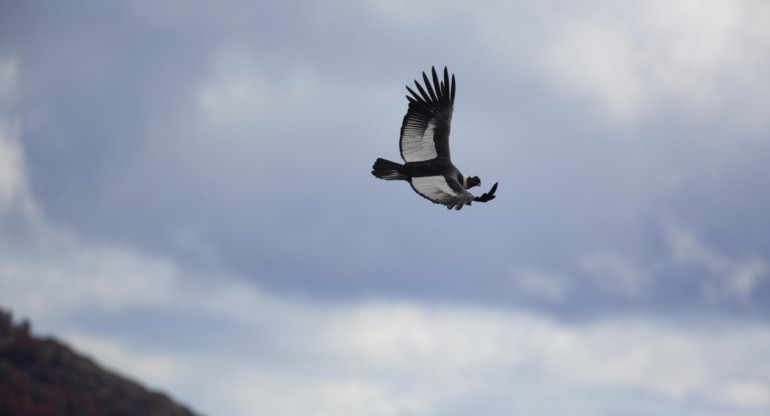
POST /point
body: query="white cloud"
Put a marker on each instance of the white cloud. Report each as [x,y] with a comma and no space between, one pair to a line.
[389,357]
[12,177]
[395,358]
[241,91]
[722,277]
[275,395]
[614,274]
[237,91]
[549,286]
[54,273]
[425,18]
[305,358]
[746,393]
[600,63]
[251,116]
[12,180]
[15,197]
[629,60]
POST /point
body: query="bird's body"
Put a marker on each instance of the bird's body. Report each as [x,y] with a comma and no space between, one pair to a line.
[424,147]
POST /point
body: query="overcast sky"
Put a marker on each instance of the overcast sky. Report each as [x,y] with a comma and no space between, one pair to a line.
[185,195]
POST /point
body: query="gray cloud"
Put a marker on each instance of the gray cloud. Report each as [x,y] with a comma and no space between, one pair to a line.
[145,317]
[244,145]
[187,169]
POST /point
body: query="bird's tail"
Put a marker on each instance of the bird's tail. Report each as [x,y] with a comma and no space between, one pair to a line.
[385,169]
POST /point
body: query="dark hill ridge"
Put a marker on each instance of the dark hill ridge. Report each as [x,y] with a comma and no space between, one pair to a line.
[42,377]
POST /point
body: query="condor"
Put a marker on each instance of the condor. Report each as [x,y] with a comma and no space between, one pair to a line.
[425,148]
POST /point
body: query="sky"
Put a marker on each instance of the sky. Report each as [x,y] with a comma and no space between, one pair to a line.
[186,197]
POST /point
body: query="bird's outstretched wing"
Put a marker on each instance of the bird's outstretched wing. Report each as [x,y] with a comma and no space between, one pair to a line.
[426,125]
[442,190]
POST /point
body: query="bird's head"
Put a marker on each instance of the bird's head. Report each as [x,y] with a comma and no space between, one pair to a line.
[471,182]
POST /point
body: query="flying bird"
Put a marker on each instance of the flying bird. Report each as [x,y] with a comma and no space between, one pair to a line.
[424,147]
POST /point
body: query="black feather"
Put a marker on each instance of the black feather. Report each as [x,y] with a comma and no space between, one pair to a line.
[424,94]
[445,84]
[436,83]
[487,196]
[429,88]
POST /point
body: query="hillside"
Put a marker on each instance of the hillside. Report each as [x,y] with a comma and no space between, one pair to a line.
[43,377]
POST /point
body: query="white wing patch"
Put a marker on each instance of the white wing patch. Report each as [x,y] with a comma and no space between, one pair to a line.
[433,186]
[417,140]
[436,189]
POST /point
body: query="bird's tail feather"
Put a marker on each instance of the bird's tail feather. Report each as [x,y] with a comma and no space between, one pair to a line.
[385,169]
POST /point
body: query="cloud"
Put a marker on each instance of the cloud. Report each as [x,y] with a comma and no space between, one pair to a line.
[207,207]
[373,357]
[722,278]
[748,393]
[598,62]
[380,357]
[615,275]
[77,275]
[12,181]
[632,60]
[278,354]
[395,358]
[238,91]
[15,196]
[539,284]
[683,273]
[246,147]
